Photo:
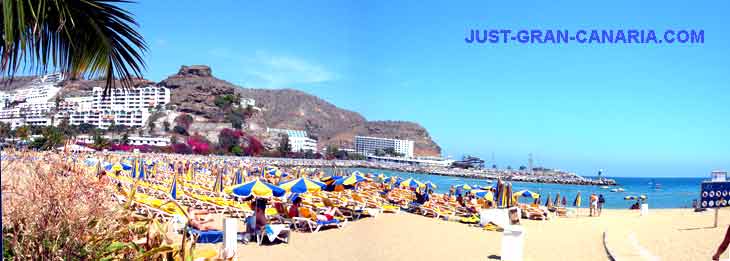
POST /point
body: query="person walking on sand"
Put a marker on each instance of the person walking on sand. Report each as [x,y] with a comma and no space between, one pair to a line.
[594,204]
[723,246]
[601,201]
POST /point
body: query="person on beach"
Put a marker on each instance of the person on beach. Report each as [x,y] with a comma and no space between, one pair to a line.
[601,201]
[723,246]
[199,220]
[594,204]
[294,208]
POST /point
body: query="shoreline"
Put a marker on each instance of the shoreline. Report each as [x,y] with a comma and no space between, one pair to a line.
[486,174]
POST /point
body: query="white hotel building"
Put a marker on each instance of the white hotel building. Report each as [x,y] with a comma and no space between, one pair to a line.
[130,108]
[298,139]
[32,105]
[35,105]
[368,145]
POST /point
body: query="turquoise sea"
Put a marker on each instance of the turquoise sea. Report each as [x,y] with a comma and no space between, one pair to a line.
[674,192]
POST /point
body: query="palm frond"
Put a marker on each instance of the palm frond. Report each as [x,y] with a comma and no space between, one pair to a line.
[82,38]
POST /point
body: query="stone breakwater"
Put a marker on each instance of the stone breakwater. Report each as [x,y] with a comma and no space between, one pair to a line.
[554,177]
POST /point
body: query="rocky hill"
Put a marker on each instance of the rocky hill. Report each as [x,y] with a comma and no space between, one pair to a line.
[194,89]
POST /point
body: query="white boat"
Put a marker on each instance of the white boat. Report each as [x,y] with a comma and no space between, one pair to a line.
[604,187]
[617,190]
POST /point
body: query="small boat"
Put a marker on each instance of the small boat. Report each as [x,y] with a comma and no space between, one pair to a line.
[617,190]
[604,187]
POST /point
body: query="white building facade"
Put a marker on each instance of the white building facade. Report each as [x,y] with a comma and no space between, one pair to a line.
[133,140]
[368,145]
[32,105]
[35,105]
[298,139]
[129,108]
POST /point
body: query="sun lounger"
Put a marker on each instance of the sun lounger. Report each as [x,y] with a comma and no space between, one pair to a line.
[210,236]
[309,220]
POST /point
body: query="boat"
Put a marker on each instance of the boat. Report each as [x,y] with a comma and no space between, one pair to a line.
[617,190]
[604,187]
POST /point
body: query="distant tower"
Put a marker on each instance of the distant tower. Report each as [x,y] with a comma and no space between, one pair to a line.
[529,162]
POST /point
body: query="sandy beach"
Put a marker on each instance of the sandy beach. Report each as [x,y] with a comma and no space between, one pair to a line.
[667,234]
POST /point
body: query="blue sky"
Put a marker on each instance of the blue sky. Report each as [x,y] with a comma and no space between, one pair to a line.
[634,110]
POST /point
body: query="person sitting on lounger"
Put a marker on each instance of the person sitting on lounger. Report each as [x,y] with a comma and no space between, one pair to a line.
[259,215]
[294,208]
[199,220]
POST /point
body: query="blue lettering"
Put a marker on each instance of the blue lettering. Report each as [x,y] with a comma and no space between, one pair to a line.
[483,39]
[697,37]
[607,36]
[505,35]
[578,36]
[633,36]
[620,36]
[536,35]
[669,36]
[470,39]
[594,37]
[563,36]
[682,36]
[651,36]
[549,36]
[493,36]
[523,36]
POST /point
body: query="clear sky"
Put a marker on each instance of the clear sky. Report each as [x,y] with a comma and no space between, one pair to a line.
[633,110]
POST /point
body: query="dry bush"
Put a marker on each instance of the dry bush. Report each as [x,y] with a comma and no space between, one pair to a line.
[51,213]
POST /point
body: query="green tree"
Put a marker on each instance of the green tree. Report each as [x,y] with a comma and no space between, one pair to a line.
[66,128]
[86,128]
[331,151]
[151,125]
[125,139]
[100,142]
[23,132]
[53,137]
[80,38]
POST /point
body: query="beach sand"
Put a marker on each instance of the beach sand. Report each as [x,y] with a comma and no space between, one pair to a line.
[669,234]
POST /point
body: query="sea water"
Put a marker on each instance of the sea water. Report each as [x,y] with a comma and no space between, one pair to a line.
[672,192]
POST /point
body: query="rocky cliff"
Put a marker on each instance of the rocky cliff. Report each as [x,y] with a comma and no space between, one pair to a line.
[194,89]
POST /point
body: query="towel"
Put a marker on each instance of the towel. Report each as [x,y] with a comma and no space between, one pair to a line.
[272,231]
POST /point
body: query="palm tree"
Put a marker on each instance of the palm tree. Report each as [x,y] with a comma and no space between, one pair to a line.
[82,38]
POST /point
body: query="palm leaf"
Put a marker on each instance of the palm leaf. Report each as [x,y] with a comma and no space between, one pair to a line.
[82,38]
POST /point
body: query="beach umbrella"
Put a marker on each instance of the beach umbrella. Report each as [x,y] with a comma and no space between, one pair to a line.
[548,202]
[173,188]
[430,185]
[410,183]
[392,179]
[329,180]
[218,185]
[480,193]
[556,203]
[635,197]
[464,187]
[499,192]
[256,188]
[239,177]
[508,195]
[302,185]
[577,200]
[565,202]
[525,193]
[350,180]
